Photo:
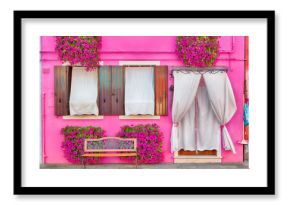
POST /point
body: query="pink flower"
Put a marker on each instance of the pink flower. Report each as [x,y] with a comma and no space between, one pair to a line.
[197,51]
[73,144]
[149,140]
[79,50]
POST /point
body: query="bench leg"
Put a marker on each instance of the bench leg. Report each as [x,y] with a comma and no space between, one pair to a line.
[83,161]
[136,161]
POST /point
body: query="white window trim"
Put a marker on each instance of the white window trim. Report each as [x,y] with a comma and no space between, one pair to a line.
[139,63]
[139,117]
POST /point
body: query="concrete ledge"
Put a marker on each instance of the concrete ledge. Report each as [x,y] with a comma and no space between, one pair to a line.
[139,117]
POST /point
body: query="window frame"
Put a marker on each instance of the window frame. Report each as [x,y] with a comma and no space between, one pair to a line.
[140,63]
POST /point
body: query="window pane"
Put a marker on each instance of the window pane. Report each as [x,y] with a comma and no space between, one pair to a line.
[139,90]
[84,92]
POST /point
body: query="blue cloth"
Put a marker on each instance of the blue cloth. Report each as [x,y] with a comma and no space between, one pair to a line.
[246,114]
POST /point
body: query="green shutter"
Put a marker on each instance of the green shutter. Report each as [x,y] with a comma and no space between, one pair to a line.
[118,107]
[105,90]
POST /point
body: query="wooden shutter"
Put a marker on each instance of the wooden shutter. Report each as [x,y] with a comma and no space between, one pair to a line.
[62,84]
[161,90]
[118,86]
[105,90]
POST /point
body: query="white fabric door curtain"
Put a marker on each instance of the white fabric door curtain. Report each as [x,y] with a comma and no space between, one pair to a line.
[202,105]
[84,92]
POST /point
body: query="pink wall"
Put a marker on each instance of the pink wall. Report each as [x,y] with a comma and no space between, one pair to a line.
[114,49]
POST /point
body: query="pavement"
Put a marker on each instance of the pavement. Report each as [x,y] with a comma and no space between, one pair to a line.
[244,165]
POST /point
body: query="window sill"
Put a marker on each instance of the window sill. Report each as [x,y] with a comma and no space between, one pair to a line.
[83,117]
[139,117]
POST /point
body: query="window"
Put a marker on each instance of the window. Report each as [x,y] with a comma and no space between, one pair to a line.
[103,91]
[139,90]
[84,92]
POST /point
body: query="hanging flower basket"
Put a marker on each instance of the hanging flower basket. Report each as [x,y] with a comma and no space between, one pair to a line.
[197,51]
[79,50]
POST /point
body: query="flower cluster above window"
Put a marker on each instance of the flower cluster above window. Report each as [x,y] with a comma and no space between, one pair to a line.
[198,51]
[73,145]
[79,50]
[149,141]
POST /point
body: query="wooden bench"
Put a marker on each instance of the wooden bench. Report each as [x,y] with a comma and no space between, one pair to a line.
[110,147]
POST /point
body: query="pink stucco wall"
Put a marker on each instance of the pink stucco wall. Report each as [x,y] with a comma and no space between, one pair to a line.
[141,48]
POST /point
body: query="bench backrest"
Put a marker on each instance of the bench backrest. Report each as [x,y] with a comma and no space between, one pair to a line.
[110,144]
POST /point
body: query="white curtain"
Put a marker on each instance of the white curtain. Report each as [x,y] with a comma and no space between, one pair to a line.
[222,101]
[139,90]
[84,92]
[208,127]
[183,110]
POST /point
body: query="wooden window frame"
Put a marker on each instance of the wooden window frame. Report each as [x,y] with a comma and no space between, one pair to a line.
[143,117]
[65,116]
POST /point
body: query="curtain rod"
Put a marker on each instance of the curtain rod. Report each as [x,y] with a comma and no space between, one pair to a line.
[201,70]
[218,68]
[175,68]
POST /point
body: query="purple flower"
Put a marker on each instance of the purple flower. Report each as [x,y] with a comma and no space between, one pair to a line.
[73,142]
[149,140]
[79,49]
[197,51]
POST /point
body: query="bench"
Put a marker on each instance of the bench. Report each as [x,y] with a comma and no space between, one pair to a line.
[110,147]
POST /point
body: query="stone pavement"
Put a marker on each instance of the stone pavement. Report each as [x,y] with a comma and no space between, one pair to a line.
[149,166]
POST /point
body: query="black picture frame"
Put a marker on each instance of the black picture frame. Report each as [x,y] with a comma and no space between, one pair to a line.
[268,190]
